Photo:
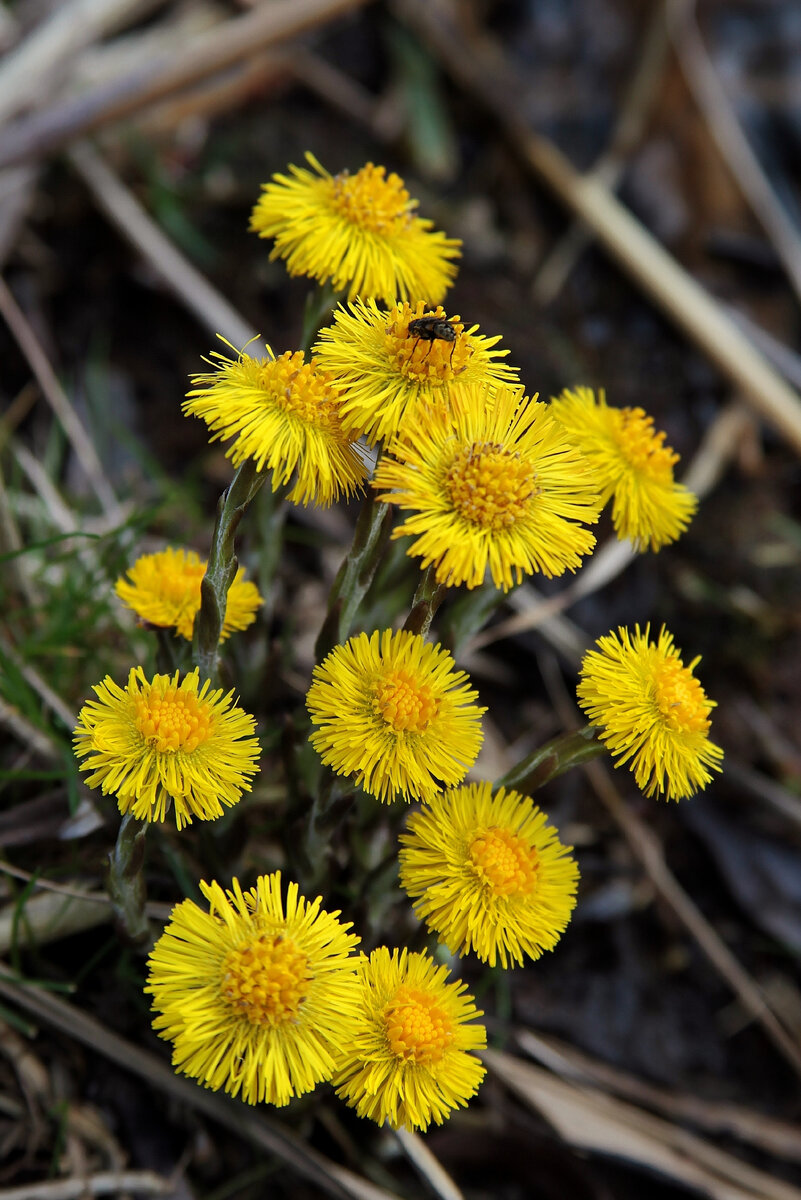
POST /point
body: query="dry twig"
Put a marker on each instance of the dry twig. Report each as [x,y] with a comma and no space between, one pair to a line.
[202,57]
[263,1132]
[490,76]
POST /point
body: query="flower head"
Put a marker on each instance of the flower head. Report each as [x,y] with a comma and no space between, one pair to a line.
[651,712]
[164,589]
[256,998]
[385,369]
[393,712]
[410,1062]
[285,414]
[488,874]
[360,231]
[633,466]
[152,743]
[493,484]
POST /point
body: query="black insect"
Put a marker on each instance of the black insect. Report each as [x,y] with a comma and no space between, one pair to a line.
[433,329]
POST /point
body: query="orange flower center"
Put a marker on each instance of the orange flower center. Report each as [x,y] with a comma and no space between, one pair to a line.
[504,862]
[490,486]
[404,702]
[372,200]
[680,698]
[172,720]
[418,356]
[641,446]
[417,1029]
[301,390]
[266,980]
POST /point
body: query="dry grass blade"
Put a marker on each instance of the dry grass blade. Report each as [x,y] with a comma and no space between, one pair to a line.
[103,1183]
[766,1133]
[57,398]
[710,96]
[48,916]
[489,75]
[176,272]
[635,109]
[590,1119]
[648,850]
[429,1167]
[203,56]
[45,51]
[268,1135]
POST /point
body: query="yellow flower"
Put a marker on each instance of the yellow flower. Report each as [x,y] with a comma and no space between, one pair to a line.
[651,712]
[394,713]
[284,414]
[410,1062]
[164,589]
[632,464]
[255,999]
[494,484]
[385,370]
[150,743]
[488,874]
[360,231]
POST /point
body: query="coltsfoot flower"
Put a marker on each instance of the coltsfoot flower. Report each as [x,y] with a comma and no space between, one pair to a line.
[256,998]
[150,743]
[410,1062]
[651,712]
[488,874]
[493,485]
[284,413]
[385,371]
[164,589]
[394,712]
[633,466]
[360,231]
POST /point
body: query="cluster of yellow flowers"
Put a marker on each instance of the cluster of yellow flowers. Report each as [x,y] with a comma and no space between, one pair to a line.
[266,997]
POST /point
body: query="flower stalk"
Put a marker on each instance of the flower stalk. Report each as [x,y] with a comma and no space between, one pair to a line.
[222,566]
[126,881]
[553,759]
[427,599]
[356,573]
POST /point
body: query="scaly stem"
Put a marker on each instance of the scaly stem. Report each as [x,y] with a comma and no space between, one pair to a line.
[553,759]
[427,599]
[356,573]
[126,881]
[222,566]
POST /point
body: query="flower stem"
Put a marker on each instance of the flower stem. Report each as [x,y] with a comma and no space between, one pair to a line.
[427,599]
[126,881]
[356,573]
[222,566]
[319,304]
[553,759]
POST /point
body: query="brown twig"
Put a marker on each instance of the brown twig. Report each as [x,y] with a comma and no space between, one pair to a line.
[263,1132]
[41,59]
[57,398]
[203,56]
[711,98]
[490,76]
[172,268]
[766,1133]
[630,125]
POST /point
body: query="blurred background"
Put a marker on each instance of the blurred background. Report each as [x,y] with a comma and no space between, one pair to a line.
[657,1051]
